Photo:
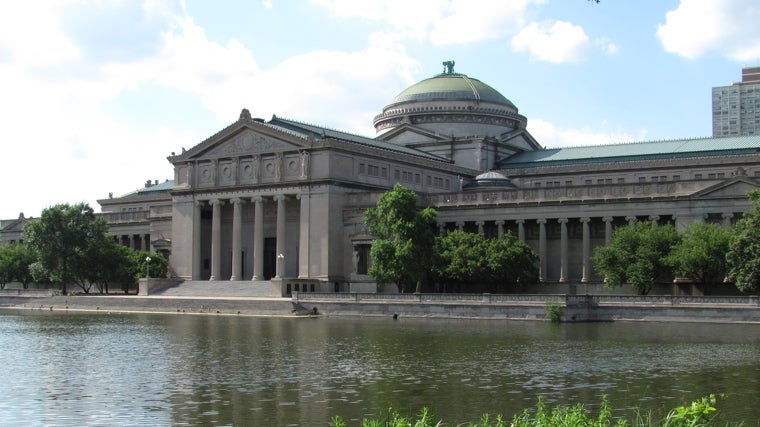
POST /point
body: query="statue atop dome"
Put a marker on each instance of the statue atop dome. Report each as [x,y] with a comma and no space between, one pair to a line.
[448,67]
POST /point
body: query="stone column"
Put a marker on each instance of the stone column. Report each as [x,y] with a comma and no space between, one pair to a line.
[197,240]
[480,225]
[280,264]
[500,228]
[237,231]
[541,250]
[654,219]
[441,229]
[727,217]
[631,220]
[216,239]
[563,250]
[146,242]
[586,250]
[460,225]
[521,230]
[258,238]
[607,230]
[131,241]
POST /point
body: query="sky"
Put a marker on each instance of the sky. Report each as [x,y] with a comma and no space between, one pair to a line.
[95,94]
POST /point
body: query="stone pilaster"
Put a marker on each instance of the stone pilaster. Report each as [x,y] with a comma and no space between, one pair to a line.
[197,240]
[258,238]
[563,250]
[586,250]
[541,249]
[216,239]
[237,230]
[280,264]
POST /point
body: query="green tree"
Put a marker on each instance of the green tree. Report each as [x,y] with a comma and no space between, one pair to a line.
[402,250]
[15,260]
[700,254]
[62,237]
[470,259]
[637,256]
[743,255]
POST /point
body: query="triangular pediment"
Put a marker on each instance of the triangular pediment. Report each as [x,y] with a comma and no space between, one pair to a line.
[242,138]
[246,142]
[736,187]
[410,134]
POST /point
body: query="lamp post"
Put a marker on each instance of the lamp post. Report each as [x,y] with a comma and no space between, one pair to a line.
[279,272]
[147,267]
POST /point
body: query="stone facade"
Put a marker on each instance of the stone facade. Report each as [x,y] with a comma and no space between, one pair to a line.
[280,199]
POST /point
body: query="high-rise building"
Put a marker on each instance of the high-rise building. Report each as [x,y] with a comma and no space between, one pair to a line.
[736,108]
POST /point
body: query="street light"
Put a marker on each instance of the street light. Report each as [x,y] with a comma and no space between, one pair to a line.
[280,259]
[147,267]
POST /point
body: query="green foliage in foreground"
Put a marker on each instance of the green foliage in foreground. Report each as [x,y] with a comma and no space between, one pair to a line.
[700,413]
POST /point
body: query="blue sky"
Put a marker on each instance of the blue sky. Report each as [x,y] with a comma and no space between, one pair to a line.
[95,94]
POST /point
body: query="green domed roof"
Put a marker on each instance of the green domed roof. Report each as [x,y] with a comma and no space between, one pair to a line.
[451,86]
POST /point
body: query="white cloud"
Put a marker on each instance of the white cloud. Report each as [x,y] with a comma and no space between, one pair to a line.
[443,22]
[550,136]
[698,27]
[30,32]
[555,42]
[68,147]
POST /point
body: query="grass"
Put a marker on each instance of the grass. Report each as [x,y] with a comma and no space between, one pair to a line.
[700,413]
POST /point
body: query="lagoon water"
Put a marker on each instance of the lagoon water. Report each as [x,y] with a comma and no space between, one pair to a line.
[70,369]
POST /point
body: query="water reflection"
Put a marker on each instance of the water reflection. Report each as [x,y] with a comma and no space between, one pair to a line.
[73,369]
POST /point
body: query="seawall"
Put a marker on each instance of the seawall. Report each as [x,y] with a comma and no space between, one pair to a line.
[572,308]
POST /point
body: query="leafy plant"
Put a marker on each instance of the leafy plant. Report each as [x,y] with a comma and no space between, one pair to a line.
[554,311]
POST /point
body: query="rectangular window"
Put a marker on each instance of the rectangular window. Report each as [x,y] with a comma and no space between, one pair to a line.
[361,168]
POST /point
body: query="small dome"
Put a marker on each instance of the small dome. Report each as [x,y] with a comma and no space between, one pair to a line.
[490,179]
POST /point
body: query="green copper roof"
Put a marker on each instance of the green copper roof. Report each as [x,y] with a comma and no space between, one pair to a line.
[652,150]
[319,132]
[451,86]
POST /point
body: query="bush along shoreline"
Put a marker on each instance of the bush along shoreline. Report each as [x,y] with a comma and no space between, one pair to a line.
[699,413]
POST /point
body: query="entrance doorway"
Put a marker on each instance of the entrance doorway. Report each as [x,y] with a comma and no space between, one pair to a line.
[270,257]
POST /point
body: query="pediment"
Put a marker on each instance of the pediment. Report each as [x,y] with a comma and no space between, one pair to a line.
[246,142]
[736,187]
[410,134]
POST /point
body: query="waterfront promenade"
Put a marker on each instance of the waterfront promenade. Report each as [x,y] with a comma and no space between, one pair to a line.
[259,299]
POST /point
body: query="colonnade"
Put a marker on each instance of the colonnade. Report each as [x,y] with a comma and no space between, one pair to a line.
[237,236]
[541,240]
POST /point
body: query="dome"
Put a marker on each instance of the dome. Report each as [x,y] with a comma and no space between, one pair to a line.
[488,180]
[451,104]
[453,87]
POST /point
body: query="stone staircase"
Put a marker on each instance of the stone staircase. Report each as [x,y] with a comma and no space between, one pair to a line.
[221,289]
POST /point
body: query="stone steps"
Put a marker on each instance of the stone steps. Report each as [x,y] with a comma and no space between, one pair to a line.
[220,289]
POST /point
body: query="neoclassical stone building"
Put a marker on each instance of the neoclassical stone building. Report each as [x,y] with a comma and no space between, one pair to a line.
[274,199]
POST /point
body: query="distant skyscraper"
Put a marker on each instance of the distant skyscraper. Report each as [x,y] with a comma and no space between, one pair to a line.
[736,108]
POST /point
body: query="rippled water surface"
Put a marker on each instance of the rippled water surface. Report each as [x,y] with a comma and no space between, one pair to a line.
[79,369]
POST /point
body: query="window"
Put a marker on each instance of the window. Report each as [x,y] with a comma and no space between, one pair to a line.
[361,168]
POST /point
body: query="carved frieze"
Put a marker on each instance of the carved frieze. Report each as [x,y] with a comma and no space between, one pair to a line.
[246,143]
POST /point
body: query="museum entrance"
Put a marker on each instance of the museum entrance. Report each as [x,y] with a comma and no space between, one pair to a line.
[270,257]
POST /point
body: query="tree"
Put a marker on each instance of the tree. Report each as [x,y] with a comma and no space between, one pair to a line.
[15,260]
[743,255]
[402,250]
[470,259]
[62,237]
[700,255]
[637,256]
